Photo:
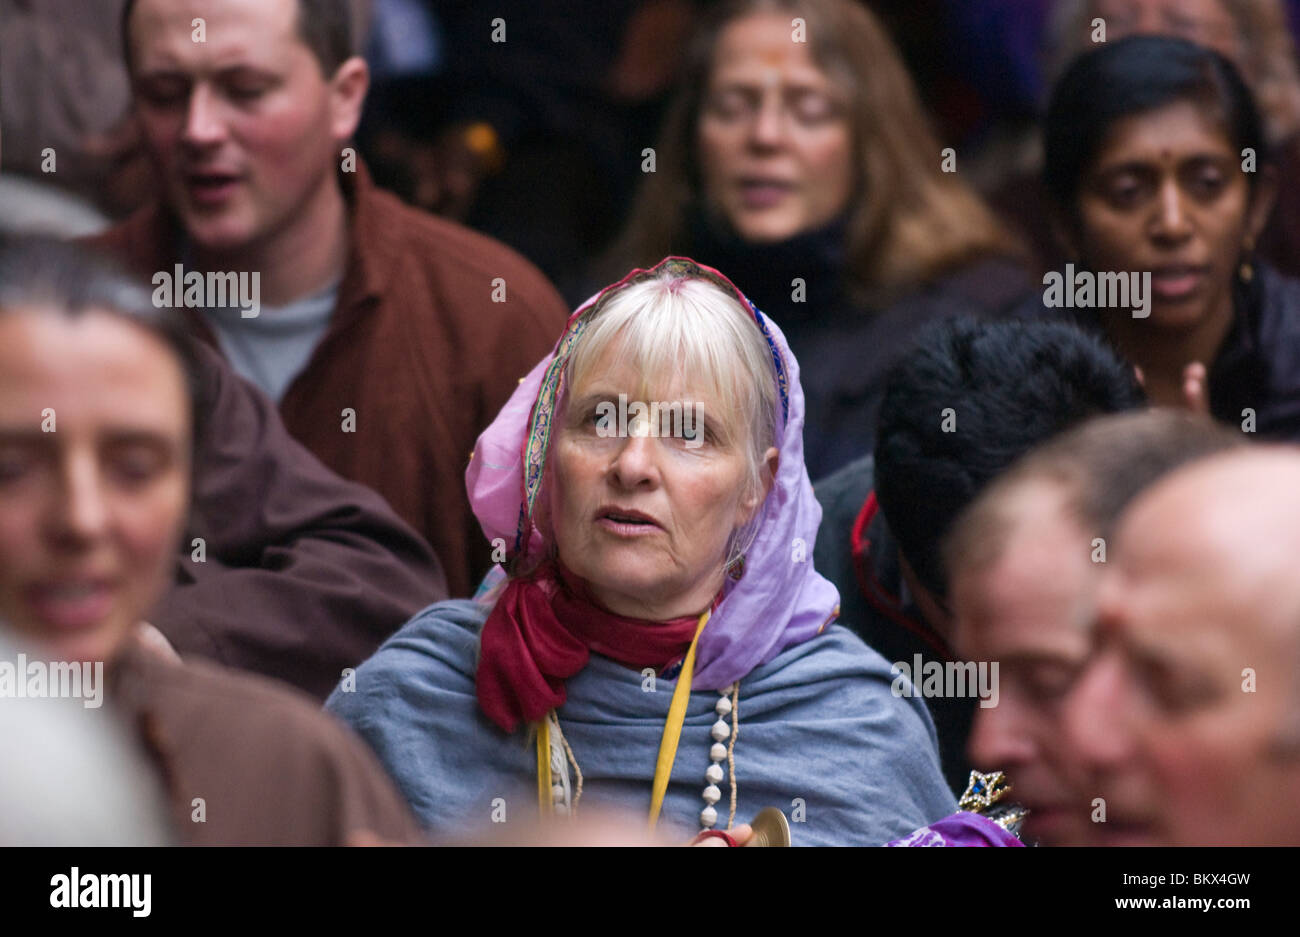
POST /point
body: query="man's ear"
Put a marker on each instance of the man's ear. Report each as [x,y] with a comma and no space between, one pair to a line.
[1262,200]
[347,90]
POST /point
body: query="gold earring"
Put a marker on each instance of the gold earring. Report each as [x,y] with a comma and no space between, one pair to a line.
[1247,269]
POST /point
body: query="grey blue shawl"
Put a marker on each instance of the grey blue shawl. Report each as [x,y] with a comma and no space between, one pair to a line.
[821,737]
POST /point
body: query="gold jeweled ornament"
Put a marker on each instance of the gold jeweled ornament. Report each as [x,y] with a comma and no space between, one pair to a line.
[983,791]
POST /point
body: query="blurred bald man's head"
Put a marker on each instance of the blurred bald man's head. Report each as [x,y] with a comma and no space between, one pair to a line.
[1184,721]
[1023,562]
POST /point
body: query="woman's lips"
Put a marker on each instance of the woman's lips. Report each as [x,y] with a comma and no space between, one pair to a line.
[1176,283]
[627,523]
[763,193]
[211,189]
[70,606]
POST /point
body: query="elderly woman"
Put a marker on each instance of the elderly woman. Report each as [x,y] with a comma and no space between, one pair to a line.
[100,393]
[662,642]
[1147,144]
[797,157]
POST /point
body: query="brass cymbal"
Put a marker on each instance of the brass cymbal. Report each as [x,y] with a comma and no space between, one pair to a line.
[770,828]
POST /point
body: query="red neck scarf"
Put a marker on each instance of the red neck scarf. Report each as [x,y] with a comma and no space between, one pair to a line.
[543,630]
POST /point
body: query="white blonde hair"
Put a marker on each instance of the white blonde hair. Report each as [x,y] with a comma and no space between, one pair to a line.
[679,324]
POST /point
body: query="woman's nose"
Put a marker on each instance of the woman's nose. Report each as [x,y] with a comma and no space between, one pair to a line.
[769,123]
[79,514]
[636,464]
[1172,222]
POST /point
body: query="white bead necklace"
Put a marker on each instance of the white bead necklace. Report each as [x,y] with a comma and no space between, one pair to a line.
[565,795]
[727,705]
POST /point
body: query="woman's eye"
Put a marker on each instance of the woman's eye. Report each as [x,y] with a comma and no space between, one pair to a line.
[14,464]
[604,419]
[136,465]
[696,433]
[1208,184]
[814,108]
[1124,193]
[730,105]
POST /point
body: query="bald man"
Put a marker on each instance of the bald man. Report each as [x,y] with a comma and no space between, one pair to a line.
[1023,563]
[1186,721]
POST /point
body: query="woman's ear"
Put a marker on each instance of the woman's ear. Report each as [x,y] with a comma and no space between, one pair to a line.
[1262,200]
[771,463]
[1066,231]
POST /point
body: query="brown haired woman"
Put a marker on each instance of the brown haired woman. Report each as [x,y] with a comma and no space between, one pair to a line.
[798,159]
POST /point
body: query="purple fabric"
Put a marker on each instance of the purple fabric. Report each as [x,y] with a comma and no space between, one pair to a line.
[780,600]
[959,829]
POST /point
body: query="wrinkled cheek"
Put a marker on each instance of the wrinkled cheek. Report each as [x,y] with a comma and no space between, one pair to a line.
[554,511]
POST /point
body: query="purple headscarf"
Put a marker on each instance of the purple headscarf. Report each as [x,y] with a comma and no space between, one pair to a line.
[780,600]
[962,828]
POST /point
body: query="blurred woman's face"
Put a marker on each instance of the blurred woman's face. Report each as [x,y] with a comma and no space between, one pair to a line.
[94,477]
[775,144]
[645,519]
[1205,22]
[1167,195]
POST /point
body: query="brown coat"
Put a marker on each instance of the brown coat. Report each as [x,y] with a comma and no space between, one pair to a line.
[417,350]
[302,573]
[269,768]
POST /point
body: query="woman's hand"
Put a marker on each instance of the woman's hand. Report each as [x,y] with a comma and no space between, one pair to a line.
[740,833]
[1195,392]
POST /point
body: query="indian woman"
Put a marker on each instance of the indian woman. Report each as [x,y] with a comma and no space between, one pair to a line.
[1159,174]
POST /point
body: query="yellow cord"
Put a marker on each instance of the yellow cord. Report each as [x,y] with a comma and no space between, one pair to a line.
[667,746]
[544,803]
[673,727]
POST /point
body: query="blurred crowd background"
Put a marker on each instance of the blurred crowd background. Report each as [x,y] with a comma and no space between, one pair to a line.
[542,148]
[885,195]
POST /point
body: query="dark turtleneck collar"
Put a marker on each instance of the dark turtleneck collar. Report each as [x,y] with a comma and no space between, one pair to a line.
[764,272]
